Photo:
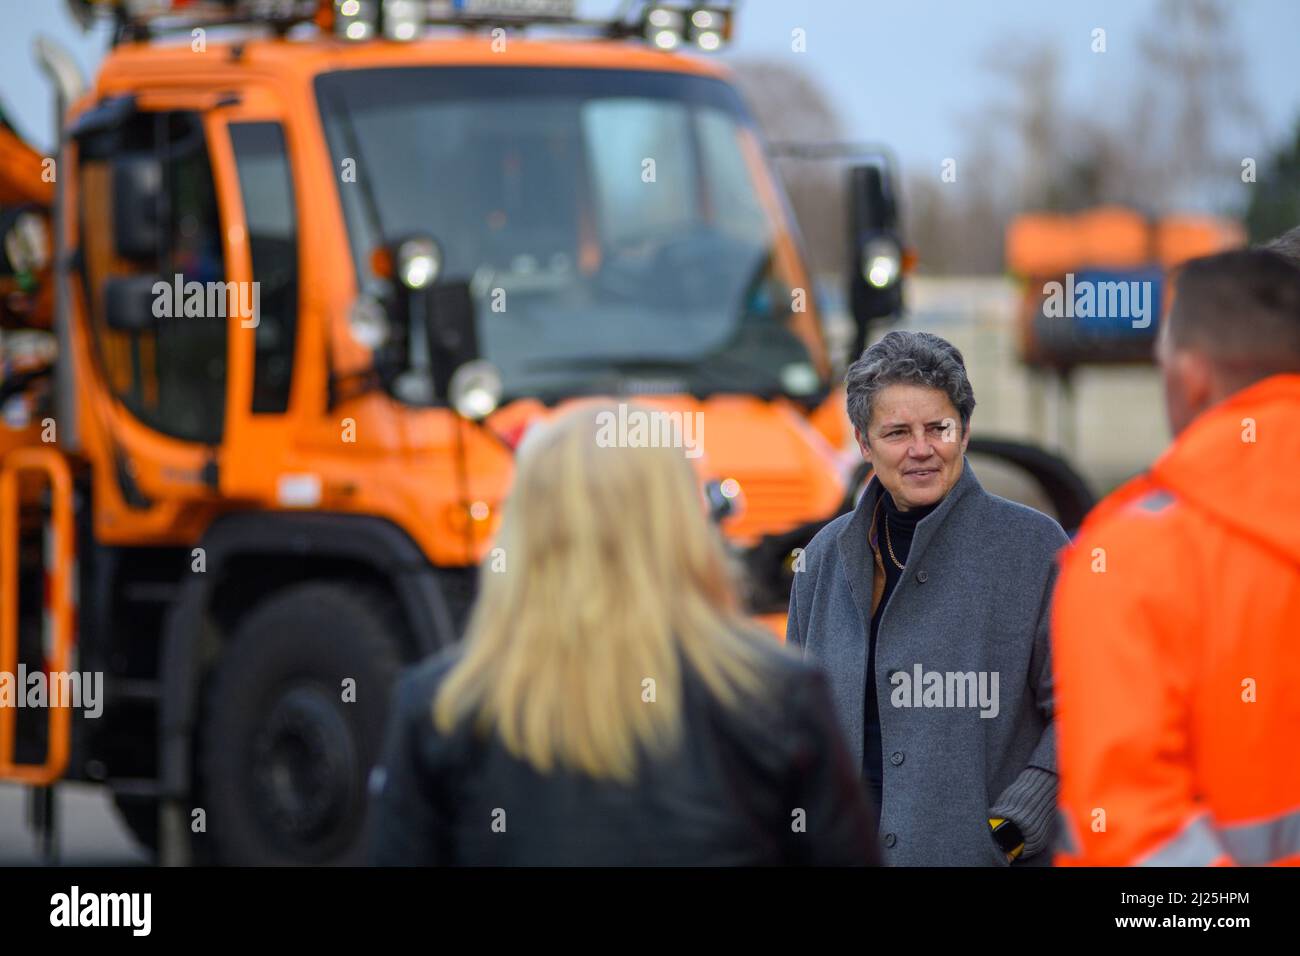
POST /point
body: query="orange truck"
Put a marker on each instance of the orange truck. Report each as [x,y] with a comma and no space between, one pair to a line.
[298,278]
[1094,279]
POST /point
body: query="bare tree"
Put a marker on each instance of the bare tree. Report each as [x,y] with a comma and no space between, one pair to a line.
[956,225]
[1032,110]
[1195,67]
[1162,150]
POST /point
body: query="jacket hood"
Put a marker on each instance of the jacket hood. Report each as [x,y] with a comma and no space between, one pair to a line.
[1239,462]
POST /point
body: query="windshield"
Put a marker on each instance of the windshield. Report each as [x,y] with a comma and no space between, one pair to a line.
[609,222]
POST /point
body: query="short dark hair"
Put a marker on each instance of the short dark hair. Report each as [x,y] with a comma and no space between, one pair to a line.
[908,358]
[1286,245]
[1242,309]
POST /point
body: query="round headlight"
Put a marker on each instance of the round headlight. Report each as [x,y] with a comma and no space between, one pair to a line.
[418,263]
[882,262]
[800,378]
[475,389]
[26,242]
[368,322]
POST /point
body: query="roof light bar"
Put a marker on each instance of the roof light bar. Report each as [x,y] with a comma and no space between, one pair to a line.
[143,19]
[355,19]
[403,19]
[664,24]
[667,26]
[710,27]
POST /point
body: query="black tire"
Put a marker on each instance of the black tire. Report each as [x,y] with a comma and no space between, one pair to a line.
[1065,488]
[283,759]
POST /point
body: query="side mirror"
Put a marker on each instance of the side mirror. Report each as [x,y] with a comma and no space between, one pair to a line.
[875,266]
[129,303]
[137,206]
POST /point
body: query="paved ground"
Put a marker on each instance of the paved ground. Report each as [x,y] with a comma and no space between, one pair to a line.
[90,832]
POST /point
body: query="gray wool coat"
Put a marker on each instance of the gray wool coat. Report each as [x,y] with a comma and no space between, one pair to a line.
[973,602]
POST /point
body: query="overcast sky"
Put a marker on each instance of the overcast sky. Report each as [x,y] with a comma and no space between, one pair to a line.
[907,72]
[910,72]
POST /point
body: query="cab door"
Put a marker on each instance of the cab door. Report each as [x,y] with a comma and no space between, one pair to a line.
[252,151]
[159,299]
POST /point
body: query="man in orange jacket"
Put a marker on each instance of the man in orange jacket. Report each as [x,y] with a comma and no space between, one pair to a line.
[1176,622]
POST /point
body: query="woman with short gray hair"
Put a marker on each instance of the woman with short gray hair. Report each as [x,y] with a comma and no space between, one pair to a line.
[928,607]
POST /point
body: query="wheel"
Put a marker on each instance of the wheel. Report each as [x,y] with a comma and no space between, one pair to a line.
[1064,487]
[283,758]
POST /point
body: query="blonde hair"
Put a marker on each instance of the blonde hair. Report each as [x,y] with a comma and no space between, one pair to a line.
[614,577]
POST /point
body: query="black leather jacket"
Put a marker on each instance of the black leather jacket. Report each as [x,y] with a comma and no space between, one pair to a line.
[743,789]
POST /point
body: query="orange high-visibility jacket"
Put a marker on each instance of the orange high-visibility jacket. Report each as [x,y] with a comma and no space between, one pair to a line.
[1176,643]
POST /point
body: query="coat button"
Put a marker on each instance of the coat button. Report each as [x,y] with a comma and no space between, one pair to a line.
[896,758]
[922,576]
[890,840]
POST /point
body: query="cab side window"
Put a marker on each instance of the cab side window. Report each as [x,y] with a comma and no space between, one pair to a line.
[154,273]
[266,183]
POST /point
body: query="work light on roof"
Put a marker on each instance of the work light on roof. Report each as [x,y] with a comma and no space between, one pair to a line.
[163,15]
[355,19]
[403,19]
[709,28]
[666,27]
[664,24]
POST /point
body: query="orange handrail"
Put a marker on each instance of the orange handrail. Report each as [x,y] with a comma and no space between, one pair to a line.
[55,467]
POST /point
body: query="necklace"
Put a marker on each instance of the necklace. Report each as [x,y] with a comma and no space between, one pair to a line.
[889,544]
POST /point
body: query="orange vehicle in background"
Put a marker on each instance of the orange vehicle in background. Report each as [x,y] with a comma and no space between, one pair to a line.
[1092,261]
[315,268]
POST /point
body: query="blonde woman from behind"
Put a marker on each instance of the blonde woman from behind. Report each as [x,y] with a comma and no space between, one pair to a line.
[610,704]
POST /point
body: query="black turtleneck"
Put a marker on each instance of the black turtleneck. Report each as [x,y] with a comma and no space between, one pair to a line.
[900,525]
[895,530]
